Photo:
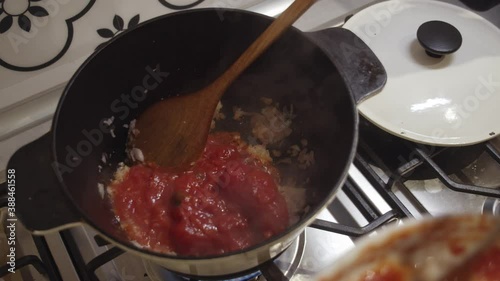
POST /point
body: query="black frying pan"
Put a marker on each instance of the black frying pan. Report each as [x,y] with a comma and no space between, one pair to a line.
[321,74]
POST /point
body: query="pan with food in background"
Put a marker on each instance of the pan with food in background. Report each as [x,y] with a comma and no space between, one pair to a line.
[313,79]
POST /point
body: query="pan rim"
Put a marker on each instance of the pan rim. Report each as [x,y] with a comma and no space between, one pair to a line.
[303,222]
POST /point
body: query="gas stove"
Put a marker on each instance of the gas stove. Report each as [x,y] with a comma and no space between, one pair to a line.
[390,179]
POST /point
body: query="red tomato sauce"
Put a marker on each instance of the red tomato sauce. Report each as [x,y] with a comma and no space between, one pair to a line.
[487,266]
[228,200]
[387,272]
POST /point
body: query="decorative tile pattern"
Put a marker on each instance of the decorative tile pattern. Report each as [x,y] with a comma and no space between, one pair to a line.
[25,23]
[180,5]
[118,24]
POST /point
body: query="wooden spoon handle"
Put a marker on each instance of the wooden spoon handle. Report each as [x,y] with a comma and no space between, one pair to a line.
[282,23]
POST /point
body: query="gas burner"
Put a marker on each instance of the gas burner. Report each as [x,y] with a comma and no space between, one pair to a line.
[160,274]
[391,178]
[287,262]
[491,206]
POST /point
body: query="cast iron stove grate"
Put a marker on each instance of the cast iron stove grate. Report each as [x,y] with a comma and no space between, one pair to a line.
[44,263]
[399,160]
[87,271]
[46,266]
[369,155]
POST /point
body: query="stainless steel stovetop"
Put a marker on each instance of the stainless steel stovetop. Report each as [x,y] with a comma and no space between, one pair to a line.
[390,180]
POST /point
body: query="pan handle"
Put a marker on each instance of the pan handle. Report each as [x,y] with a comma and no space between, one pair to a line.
[40,203]
[357,64]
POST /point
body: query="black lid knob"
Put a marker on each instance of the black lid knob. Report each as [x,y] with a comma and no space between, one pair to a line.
[439,38]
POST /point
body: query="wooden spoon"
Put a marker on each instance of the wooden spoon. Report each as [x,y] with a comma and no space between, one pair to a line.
[173,132]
